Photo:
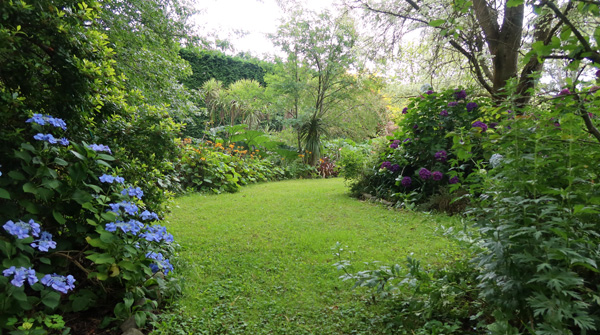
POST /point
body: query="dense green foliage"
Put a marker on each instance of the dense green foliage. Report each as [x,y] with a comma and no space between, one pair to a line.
[211,64]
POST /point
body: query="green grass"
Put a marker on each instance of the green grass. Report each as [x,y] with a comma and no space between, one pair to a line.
[261,261]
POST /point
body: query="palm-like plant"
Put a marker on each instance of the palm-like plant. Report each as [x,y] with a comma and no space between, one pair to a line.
[310,134]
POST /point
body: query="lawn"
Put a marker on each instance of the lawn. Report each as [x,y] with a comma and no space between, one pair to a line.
[261,261]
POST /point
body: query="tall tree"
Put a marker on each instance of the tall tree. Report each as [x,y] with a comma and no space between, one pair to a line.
[323,44]
[495,36]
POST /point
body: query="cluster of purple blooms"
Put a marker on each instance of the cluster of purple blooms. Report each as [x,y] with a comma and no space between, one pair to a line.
[460,95]
[389,166]
[426,174]
[405,110]
[161,262]
[471,106]
[444,113]
[395,144]
[441,156]
[406,181]
[479,124]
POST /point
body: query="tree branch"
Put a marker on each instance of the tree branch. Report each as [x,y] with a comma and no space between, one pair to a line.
[594,55]
[475,64]
[488,23]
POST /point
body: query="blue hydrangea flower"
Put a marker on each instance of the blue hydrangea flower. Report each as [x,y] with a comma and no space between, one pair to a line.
[37,118]
[58,123]
[44,243]
[100,148]
[45,137]
[127,206]
[157,233]
[133,192]
[59,283]
[22,229]
[63,141]
[106,178]
[119,180]
[147,215]
[160,263]
[43,119]
[131,226]
[20,275]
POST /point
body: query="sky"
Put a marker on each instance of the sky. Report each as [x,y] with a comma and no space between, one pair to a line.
[257,17]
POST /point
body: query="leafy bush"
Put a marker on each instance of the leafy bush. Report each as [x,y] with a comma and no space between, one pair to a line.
[415,161]
[75,235]
[538,217]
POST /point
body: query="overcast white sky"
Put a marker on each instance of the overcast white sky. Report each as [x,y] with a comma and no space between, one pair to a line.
[257,17]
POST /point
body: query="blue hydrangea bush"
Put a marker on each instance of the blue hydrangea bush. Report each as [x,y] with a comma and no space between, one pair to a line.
[75,235]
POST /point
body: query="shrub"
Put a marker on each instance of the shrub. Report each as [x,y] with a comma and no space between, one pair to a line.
[416,159]
[538,217]
[75,235]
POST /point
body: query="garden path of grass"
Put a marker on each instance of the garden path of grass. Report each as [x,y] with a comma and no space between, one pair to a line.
[261,261]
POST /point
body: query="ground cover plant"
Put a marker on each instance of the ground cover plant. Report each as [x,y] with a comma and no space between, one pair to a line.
[261,261]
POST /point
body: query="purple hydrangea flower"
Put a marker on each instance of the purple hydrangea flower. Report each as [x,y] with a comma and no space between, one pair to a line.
[386,165]
[471,106]
[564,91]
[452,103]
[406,181]
[59,283]
[408,140]
[416,126]
[22,229]
[45,137]
[493,125]
[395,168]
[405,110]
[460,94]
[453,180]
[429,92]
[394,146]
[441,156]
[133,192]
[437,175]
[444,113]
[424,174]
[481,125]
[100,148]
[598,74]
[44,243]
[20,275]
[147,215]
